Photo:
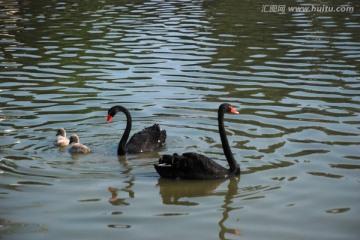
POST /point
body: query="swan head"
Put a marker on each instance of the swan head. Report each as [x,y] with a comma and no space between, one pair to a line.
[61,132]
[227,108]
[74,139]
[114,110]
[111,113]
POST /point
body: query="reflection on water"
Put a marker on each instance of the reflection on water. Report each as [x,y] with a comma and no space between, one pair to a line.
[115,200]
[294,77]
[172,191]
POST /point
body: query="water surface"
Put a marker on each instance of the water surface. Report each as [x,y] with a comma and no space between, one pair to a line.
[294,77]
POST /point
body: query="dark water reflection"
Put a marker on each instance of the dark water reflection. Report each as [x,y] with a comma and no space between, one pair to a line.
[293,76]
[172,193]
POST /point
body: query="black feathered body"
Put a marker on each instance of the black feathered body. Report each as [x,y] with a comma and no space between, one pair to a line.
[147,140]
[198,166]
[191,166]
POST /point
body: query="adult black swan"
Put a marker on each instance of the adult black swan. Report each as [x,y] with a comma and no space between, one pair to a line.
[197,166]
[147,140]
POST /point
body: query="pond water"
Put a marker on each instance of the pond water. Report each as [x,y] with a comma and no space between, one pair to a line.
[293,76]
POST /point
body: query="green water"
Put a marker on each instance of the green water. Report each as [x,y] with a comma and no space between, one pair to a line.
[293,76]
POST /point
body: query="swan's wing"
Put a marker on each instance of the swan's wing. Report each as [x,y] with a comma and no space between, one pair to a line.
[188,166]
[201,163]
[146,140]
[61,141]
[79,148]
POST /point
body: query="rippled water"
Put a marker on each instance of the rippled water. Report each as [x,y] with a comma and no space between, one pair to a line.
[294,77]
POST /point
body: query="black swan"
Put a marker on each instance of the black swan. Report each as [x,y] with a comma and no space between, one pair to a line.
[147,140]
[77,147]
[196,166]
[61,139]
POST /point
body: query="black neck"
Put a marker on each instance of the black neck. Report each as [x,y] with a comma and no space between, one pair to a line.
[122,144]
[225,144]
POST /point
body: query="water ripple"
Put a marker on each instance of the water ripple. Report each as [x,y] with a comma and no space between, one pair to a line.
[293,77]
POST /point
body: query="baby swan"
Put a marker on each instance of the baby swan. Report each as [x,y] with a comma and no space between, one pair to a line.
[77,147]
[61,139]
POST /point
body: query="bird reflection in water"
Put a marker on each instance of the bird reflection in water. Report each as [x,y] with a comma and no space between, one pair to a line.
[115,200]
[180,192]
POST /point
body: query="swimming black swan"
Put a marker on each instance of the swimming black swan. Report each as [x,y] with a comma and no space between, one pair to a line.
[197,166]
[61,139]
[147,140]
[77,147]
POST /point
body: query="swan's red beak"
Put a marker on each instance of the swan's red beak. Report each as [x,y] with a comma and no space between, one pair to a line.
[109,118]
[233,110]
